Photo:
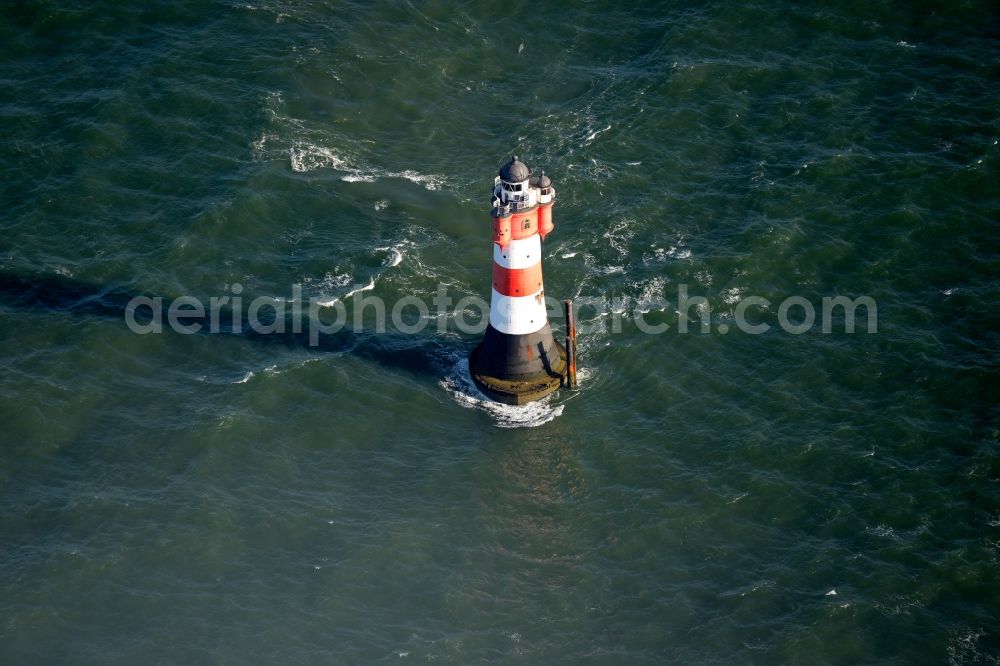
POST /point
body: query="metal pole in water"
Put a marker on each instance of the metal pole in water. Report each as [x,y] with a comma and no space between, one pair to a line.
[570,344]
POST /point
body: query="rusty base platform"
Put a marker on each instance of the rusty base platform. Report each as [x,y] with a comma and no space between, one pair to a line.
[522,389]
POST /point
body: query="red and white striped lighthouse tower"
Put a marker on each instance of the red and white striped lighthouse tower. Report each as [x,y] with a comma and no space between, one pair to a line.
[519,360]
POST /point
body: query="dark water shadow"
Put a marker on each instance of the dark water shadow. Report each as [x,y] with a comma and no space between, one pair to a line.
[426,354]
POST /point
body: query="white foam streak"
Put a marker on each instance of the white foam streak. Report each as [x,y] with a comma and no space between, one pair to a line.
[396,253]
[306,156]
[430,182]
[593,135]
[247,377]
[368,287]
[330,302]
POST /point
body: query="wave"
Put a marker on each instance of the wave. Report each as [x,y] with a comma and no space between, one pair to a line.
[593,135]
[358,290]
[460,386]
[733,295]
[430,182]
[271,370]
[328,283]
[396,252]
[650,295]
[330,302]
[357,178]
[247,377]
[306,151]
[308,157]
[305,157]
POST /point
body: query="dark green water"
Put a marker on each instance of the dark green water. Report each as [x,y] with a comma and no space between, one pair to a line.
[703,498]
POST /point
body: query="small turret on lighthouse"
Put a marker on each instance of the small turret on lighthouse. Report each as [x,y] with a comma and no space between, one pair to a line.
[519,360]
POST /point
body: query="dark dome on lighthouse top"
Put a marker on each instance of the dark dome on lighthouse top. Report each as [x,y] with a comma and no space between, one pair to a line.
[544,181]
[514,171]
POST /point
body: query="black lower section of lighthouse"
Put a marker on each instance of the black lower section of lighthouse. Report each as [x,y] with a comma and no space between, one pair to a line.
[517,369]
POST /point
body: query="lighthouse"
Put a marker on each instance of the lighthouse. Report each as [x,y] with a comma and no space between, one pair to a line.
[519,360]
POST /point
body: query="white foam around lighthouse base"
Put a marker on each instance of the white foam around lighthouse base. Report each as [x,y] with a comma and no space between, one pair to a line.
[459,384]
